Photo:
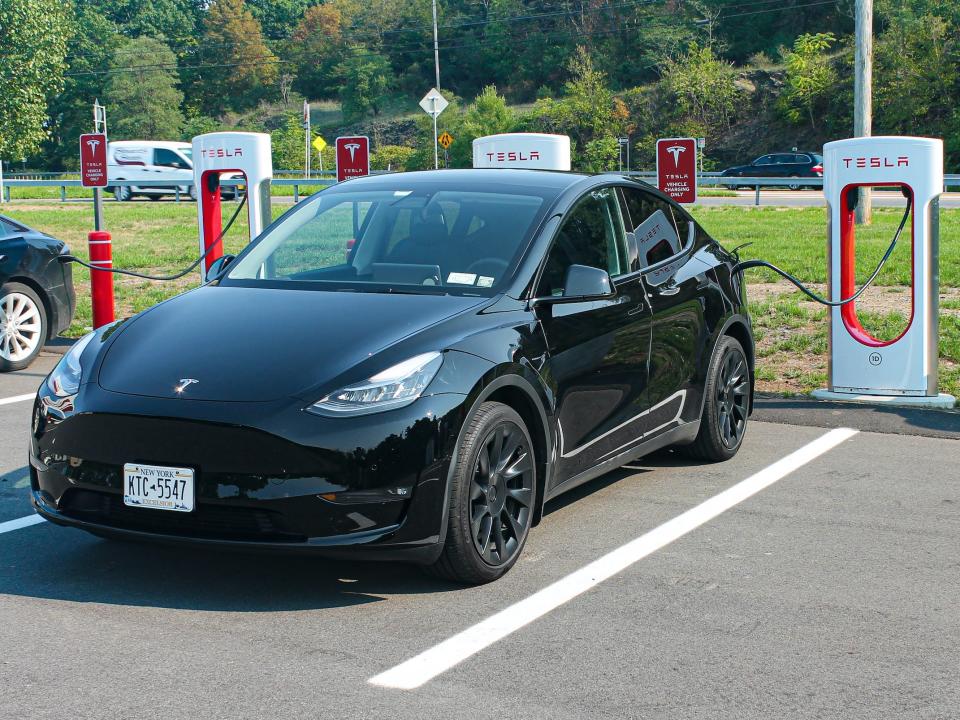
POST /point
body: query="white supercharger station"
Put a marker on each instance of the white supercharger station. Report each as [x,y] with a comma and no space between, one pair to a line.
[862,367]
[230,153]
[533,151]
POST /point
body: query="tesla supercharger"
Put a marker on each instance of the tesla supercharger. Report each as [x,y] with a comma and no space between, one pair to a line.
[862,367]
[533,151]
[229,153]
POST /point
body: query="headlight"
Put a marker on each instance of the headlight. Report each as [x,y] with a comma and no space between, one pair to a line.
[393,388]
[65,378]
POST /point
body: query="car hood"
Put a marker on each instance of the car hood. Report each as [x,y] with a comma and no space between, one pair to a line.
[260,344]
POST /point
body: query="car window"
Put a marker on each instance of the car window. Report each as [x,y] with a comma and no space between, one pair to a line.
[765,160]
[167,158]
[654,226]
[592,235]
[458,240]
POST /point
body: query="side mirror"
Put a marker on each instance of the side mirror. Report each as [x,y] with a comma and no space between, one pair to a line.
[218,266]
[581,284]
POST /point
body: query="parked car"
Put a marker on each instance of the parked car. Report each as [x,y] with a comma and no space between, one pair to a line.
[492,339]
[153,161]
[36,293]
[781,165]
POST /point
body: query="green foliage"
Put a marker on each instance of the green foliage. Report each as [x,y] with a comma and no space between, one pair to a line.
[315,49]
[141,95]
[33,44]
[289,143]
[244,70]
[601,154]
[809,77]
[364,79]
[391,157]
[196,124]
[702,86]
[278,17]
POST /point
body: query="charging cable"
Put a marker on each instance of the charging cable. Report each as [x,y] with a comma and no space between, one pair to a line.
[747,264]
[177,276]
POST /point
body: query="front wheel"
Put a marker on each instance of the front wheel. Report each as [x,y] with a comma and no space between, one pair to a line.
[492,494]
[795,186]
[726,404]
[23,326]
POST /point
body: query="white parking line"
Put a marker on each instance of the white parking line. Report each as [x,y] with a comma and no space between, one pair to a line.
[17,398]
[11,525]
[427,665]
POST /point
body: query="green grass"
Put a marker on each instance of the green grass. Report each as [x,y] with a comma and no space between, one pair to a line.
[796,240]
[791,333]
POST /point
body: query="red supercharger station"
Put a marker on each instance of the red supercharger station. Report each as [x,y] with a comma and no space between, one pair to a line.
[863,368]
[220,153]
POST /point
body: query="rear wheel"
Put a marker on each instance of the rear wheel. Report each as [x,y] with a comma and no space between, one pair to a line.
[492,496]
[122,193]
[23,326]
[726,405]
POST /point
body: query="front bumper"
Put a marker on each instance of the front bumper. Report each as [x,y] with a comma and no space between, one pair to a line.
[266,474]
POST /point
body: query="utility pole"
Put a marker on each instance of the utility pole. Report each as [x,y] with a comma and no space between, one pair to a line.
[99,126]
[436,47]
[306,139]
[863,94]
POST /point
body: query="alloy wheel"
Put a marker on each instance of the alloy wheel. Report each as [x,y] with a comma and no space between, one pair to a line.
[733,392]
[501,494]
[20,327]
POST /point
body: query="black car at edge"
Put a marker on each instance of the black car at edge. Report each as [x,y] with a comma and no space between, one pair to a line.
[405,367]
[782,165]
[36,293]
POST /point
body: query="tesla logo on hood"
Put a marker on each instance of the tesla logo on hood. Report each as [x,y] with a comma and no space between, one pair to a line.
[184,384]
[675,150]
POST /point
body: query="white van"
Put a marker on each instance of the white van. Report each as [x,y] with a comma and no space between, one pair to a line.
[150,161]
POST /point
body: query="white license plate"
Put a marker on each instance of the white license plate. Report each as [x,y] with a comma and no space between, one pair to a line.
[158,487]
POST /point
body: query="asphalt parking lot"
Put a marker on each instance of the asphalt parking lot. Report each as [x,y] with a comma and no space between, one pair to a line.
[815,575]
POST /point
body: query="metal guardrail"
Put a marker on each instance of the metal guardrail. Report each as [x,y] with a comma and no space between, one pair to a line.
[704,180]
[178,190]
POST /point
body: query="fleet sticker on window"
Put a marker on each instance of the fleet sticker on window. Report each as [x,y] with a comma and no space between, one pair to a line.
[456,278]
[484,281]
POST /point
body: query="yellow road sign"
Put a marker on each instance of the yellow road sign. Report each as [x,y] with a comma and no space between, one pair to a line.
[445,140]
[319,143]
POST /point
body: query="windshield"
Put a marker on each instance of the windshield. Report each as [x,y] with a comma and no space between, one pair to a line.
[405,240]
[187,152]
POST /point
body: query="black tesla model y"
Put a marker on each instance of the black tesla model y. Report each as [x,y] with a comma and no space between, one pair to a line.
[405,367]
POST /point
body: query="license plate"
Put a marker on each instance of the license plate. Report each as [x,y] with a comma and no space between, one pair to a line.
[158,487]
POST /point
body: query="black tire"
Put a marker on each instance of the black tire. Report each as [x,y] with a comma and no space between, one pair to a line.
[494,441]
[795,186]
[726,405]
[23,326]
[154,197]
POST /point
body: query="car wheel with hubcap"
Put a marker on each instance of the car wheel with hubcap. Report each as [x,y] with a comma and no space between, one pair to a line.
[726,404]
[492,497]
[795,186]
[23,326]
[122,193]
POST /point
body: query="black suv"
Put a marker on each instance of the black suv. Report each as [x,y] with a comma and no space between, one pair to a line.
[781,165]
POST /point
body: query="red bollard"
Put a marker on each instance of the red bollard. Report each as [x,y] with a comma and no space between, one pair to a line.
[101,283]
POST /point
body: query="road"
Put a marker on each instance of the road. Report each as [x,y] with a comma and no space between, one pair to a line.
[831,592]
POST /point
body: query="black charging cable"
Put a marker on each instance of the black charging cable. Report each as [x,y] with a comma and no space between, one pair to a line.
[747,264]
[177,276]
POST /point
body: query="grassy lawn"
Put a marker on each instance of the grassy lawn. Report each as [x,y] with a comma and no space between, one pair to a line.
[791,332]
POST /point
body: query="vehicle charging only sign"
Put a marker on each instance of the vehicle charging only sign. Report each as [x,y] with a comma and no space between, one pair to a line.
[93,160]
[353,157]
[677,168]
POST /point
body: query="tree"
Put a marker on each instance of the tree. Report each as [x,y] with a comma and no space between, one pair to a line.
[809,76]
[364,79]
[141,95]
[279,17]
[315,49]
[33,45]
[702,86]
[245,69]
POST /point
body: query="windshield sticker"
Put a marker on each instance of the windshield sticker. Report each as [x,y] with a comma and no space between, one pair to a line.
[484,281]
[401,193]
[461,278]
